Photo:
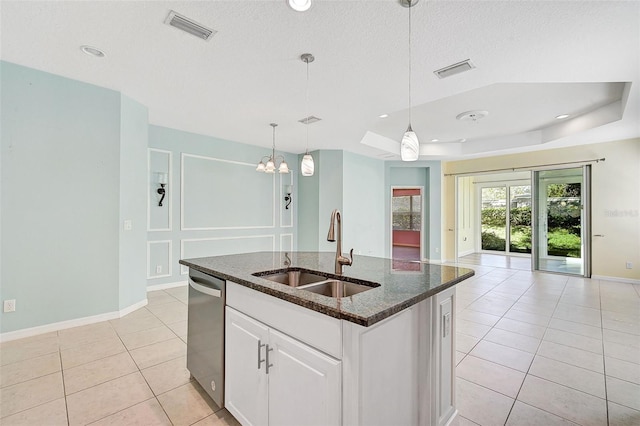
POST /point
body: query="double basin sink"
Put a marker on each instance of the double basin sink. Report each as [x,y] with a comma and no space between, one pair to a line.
[331,286]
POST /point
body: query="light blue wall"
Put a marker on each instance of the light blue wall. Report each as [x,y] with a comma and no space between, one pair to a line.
[60,197]
[331,189]
[352,184]
[364,205]
[218,203]
[308,197]
[420,173]
[134,127]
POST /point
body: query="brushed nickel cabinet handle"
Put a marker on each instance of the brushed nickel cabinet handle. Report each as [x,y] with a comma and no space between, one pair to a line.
[260,361]
[268,364]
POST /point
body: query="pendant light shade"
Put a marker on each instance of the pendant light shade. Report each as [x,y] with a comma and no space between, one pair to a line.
[409,147]
[270,167]
[284,167]
[307,166]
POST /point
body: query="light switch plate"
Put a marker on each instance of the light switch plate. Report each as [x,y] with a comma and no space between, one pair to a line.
[128,225]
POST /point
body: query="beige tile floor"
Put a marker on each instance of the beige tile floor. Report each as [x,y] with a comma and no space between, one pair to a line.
[129,371]
[532,349]
[544,349]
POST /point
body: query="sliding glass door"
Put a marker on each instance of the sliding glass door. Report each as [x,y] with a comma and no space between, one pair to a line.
[561,227]
[505,218]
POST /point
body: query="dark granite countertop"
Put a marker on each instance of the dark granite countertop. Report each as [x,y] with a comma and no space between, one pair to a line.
[402,283]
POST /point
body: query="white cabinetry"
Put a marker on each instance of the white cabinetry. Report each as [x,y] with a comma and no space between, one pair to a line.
[274,379]
[246,382]
[399,371]
[443,353]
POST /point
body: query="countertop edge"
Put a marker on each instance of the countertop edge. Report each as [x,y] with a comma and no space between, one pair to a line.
[325,310]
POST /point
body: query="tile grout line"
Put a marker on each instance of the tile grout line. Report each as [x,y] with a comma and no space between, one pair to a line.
[604,364]
[535,354]
[141,374]
[64,389]
[116,378]
[492,327]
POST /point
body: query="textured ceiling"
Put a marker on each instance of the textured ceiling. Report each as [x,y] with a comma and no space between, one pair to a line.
[250,74]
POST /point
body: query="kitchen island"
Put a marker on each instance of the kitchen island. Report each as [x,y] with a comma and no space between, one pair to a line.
[381,356]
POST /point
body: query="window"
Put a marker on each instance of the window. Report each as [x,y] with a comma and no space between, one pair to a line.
[407,210]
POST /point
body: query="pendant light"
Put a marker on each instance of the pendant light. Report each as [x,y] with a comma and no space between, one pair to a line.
[409,147]
[307,166]
[270,167]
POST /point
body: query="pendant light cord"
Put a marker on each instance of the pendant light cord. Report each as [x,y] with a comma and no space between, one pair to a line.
[410,115]
[273,145]
[307,106]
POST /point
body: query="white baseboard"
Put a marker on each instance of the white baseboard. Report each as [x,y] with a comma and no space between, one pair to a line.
[616,279]
[166,286]
[466,253]
[134,307]
[62,325]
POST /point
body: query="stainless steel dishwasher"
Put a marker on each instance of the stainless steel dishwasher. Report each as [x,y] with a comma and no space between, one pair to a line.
[205,333]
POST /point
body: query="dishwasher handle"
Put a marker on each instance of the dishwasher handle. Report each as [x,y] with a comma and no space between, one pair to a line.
[203,289]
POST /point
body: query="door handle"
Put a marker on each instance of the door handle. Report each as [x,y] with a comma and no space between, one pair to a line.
[598,235]
[260,361]
[268,364]
[206,290]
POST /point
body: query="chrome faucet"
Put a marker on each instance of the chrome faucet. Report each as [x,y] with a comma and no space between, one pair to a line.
[331,236]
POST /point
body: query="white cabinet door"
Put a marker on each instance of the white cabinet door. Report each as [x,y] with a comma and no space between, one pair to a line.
[246,384]
[304,384]
[444,364]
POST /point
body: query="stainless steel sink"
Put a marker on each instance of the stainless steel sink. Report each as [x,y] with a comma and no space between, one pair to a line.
[293,278]
[331,286]
[335,288]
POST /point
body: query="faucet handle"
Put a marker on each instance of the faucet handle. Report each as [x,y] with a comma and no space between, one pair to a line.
[348,261]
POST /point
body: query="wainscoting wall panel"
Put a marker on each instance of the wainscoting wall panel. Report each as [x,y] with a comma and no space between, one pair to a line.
[159,259]
[239,201]
[200,247]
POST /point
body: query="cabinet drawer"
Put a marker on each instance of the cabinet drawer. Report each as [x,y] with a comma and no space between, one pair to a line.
[313,328]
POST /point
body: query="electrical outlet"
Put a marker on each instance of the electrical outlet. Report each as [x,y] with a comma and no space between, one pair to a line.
[629,265]
[158,269]
[10,305]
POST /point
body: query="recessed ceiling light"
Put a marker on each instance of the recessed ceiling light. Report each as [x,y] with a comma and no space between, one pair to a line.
[435,140]
[92,51]
[462,140]
[383,115]
[560,117]
[299,5]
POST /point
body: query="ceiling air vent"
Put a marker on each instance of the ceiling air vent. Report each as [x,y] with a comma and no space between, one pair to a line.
[190,26]
[454,69]
[309,120]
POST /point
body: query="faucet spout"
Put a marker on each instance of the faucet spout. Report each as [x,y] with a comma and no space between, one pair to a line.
[331,236]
